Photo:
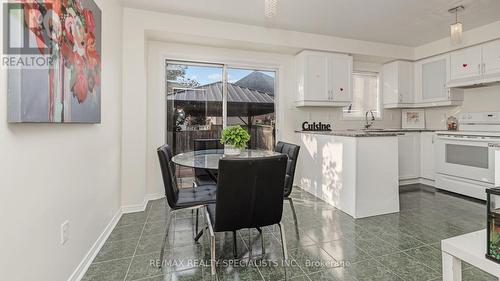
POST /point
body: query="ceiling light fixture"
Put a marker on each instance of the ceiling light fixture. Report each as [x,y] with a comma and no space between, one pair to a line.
[271,8]
[456,28]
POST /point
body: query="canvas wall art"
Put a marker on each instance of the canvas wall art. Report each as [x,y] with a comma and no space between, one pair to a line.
[54,75]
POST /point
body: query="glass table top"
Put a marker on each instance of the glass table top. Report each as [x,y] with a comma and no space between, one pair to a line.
[209,159]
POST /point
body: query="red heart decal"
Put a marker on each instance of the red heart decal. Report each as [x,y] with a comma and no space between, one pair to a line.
[464,65]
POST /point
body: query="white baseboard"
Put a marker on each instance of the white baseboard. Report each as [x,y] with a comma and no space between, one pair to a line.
[417,181]
[141,207]
[94,250]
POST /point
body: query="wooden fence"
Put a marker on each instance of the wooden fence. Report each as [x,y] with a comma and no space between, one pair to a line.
[261,136]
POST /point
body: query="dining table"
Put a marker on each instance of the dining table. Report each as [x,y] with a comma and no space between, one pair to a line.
[209,159]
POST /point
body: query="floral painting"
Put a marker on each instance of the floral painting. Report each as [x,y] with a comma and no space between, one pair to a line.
[67,89]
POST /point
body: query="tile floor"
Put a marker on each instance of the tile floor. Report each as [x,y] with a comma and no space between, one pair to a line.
[330,244]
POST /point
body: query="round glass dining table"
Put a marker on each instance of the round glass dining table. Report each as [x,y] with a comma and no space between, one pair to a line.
[209,159]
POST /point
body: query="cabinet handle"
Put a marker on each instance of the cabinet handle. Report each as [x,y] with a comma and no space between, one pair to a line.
[484,68]
[479,68]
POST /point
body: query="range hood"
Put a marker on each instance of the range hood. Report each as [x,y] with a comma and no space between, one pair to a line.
[472,83]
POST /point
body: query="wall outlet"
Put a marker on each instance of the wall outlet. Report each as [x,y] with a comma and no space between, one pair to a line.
[64,232]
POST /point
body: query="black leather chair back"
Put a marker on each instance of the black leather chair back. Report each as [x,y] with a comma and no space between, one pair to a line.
[204,144]
[292,151]
[249,192]
[168,173]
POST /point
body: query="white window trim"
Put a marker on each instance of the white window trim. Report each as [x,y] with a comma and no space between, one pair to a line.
[345,117]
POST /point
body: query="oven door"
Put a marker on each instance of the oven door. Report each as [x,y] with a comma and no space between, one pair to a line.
[466,157]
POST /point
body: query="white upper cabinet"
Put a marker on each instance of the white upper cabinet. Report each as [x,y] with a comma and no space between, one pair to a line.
[475,65]
[466,63]
[324,79]
[431,78]
[341,78]
[491,58]
[398,84]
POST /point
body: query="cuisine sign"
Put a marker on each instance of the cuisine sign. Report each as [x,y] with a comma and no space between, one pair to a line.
[306,126]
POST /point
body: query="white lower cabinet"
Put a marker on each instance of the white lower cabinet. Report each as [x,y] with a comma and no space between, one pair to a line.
[416,156]
[427,166]
[409,156]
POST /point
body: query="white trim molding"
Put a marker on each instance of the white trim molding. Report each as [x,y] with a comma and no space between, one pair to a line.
[141,207]
[84,265]
[82,268]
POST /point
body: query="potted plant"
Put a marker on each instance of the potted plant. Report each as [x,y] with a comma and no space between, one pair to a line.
[234,138]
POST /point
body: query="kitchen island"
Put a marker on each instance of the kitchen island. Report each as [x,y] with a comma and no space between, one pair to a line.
[354,171]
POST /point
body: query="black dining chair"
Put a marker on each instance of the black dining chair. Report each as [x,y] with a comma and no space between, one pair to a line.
[202,176]
[249,195]
[180,198]
[292,151]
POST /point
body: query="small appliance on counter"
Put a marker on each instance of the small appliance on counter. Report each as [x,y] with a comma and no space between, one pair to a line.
[493,224]
[465,159]
[452,123]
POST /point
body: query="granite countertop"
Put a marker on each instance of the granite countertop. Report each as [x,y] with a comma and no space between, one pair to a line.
[353,133]
[368,133]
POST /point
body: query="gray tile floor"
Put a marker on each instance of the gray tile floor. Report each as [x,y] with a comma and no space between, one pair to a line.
[330,245]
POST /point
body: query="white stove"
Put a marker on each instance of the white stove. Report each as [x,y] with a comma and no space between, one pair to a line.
[465,159]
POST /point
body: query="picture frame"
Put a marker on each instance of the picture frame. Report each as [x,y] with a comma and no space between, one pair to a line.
[413,119]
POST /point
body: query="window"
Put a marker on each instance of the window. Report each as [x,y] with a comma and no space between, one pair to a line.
[365,96]
[203,98]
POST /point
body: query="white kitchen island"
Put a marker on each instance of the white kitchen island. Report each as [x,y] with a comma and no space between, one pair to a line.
[354,171]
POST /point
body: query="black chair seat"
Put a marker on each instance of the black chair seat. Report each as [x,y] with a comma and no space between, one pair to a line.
[202,195]
[204,180]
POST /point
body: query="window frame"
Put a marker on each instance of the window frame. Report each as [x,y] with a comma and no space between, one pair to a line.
[348,117]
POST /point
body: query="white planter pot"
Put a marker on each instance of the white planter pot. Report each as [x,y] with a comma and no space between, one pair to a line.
[231,150]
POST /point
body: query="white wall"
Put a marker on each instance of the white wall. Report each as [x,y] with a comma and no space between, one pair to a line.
[476,100]
[50,173]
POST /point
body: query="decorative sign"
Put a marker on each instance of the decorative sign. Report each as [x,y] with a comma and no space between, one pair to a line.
[306,126]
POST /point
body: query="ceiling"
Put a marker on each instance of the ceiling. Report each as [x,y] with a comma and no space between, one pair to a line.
[404,22]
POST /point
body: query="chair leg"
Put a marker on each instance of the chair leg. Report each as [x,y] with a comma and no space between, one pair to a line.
[283,242]
[294,216]
[235,245]
[250,243]
[197,216]
[262,240]
[167,229]
[212,243]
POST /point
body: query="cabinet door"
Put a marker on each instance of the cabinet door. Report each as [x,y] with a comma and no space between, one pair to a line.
[405,82]
[434,80]
[390,83]
[409,156]
[466,63]
[491,57]
[427,166]
[317,80]
[341,78]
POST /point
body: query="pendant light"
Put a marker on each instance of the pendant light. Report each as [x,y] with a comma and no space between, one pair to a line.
[271,8]
[456,28]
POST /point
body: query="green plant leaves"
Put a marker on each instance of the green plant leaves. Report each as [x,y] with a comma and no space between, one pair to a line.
[236,136]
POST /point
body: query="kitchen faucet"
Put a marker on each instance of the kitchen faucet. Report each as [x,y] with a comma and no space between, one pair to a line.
[369,122]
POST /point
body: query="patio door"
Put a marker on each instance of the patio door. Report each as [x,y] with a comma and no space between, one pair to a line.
[202,99]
